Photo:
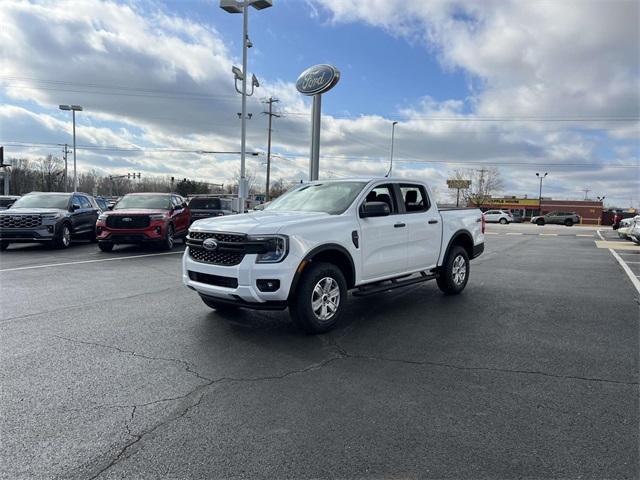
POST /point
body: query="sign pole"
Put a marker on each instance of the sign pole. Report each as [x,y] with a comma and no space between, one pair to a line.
[316,116]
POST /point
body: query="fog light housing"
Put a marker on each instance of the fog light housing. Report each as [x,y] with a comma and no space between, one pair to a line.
[268,285]
[50,228]
[98,230]
[158,230]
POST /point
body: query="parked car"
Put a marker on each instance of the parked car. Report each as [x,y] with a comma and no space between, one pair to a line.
[206,206]
[560,218]
[102,202]
[634,230]
[620,215]
[49,217]
[7,200]
[498,216]
[137,218]
[316,242]
[624,227]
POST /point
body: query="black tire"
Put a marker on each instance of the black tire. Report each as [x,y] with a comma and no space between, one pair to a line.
[568,222]
[169,238]
[4,246]
[504,221]
[105,246]
[318,286]
[451,279]
[540,222]
[219,306]
[63,240]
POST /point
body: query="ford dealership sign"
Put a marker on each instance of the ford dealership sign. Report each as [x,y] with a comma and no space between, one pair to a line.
[317,79]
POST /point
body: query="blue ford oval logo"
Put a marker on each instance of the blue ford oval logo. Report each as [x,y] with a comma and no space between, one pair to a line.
[210,244]
[317,79]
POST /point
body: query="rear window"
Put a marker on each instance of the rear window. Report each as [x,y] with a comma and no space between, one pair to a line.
[205,203]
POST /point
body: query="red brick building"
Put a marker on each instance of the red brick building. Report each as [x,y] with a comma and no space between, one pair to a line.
[590,211]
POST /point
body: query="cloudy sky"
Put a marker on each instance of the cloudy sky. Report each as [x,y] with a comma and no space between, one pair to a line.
[526,86]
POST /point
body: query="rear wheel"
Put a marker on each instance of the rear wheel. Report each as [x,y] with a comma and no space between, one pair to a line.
[504,221]
[63,240]
[540,222]
[568,222]
[3,246]
[319,299]
[454,274]
[105,246]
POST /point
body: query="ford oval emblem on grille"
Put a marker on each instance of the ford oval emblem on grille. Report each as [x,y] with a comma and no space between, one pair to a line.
[127,219]
[210,244]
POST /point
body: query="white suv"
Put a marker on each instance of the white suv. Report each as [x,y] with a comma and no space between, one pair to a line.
[498,216]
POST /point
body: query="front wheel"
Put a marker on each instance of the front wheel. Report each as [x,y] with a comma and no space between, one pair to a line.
[105,246]
[319,299]
[504,221]
[169,238]
[568,222]
[4,246]
[64,238]
[454,274]
[540,222]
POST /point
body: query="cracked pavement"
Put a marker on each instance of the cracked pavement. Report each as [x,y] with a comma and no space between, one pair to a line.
[114,370]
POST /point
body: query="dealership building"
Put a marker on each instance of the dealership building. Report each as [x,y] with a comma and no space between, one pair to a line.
[590,211]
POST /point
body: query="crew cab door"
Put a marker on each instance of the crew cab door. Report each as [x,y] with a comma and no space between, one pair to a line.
[383,240]
[181,215]
[424,226]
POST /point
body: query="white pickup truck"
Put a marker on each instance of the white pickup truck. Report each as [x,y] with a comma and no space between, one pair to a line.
[309,247]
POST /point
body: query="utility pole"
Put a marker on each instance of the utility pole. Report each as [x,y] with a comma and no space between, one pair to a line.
[586,193]
[65,152]
[271,101]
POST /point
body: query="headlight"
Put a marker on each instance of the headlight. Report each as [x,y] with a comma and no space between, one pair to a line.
[277,247]
[159,216]
[52,216]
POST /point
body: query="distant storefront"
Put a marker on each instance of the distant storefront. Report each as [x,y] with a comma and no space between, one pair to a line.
[589,211]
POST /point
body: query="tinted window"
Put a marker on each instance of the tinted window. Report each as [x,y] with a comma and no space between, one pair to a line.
[43,200]
[415,198]
[84,202]
[205,203]
[101,203]
[162,202]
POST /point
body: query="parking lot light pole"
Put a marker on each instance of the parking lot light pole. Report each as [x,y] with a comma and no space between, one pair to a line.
[242,6]
[540,191]
[393,131]
[74,109]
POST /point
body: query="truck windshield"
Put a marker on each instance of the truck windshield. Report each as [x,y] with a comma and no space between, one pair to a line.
[333,198]
[144,201]
[43,200]
[205,203]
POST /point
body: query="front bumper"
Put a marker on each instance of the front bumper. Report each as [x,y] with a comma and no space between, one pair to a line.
[152,234]
[245,293]
[43,233]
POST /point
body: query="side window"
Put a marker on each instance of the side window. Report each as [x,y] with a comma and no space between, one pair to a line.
[415,198]
[85,203]
[383,193]
[75,200]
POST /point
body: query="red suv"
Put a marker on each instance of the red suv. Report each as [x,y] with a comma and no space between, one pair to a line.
[157,218]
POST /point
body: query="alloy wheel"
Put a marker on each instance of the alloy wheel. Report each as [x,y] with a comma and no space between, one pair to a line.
[325,299]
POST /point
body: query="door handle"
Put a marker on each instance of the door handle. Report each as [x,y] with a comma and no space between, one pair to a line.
[399,225]
[431,222]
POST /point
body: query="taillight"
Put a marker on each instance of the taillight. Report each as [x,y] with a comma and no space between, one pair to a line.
[483,222]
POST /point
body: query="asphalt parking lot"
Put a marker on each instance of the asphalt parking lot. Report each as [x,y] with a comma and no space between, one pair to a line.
[112,369]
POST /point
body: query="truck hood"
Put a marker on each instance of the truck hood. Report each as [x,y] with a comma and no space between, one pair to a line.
[260,222]
[33,211]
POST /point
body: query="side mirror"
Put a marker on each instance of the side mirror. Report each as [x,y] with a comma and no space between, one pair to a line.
[75,207]
[110,207]
[374,209]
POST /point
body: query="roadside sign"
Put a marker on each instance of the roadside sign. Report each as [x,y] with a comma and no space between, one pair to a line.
[459,184]
[317,79]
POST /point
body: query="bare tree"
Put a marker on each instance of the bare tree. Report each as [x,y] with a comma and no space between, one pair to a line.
[251,182]
[51,169]
[485,182]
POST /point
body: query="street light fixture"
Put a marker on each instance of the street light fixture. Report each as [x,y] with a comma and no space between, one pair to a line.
[74,109]
[242,6]
[540,191]
[393,130]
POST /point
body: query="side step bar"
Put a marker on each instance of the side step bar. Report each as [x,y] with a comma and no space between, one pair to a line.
[385,285]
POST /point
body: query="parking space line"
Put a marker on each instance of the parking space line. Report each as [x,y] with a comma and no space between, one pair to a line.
[632,276]
[514,233]
[548,234]
[32,267]
[583,235]
[599,234]
[491,233]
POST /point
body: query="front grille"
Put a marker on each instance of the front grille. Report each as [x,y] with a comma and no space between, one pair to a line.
[217,257]
[20,221]
[128,221]
[216,280]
